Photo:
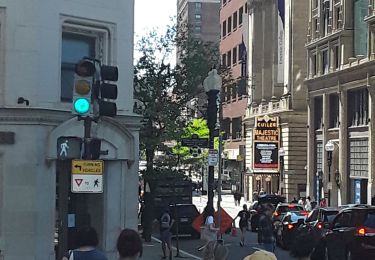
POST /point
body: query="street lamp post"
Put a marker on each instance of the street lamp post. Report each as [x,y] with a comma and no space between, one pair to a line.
[212,86]
[281,154]
[329,147]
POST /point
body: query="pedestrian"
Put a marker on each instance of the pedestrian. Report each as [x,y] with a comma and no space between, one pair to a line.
[215,250]
[86,242]
[261,255]
[129,245]
[239,196]
[323,203]
[294,200]
[308,204]
[208,229]
[235,198]
[244,216]
[166,222]
[265,230]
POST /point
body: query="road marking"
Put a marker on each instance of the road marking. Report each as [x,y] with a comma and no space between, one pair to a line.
[182,251]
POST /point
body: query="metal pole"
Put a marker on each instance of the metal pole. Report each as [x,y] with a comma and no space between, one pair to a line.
[220,165]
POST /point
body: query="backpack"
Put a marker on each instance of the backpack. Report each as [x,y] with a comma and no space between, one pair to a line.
[165,220]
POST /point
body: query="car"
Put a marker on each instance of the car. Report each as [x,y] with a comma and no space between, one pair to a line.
[351,234]
[270,199]
[287,228]
[184,215]
[316,225]
[283,208]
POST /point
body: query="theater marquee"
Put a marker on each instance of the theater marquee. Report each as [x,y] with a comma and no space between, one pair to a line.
[266,137]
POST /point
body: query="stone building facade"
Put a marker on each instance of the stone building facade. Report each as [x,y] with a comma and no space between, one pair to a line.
[276,73]
[341,55]
[40,41]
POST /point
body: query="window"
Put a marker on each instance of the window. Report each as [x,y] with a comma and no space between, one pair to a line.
[237,128]
[325,19]
[318,111]
[229,58]
[313,64]
[235,20]
[360,27]
[234,92]
[74,48]
[240,15]
[224,60]
[333,111]
[226,128]
[198,17]
[229,24]
[336,17]
[234,53]
[224,28]
[336,57]
[358,107]
[325,62]
[197,28]
[358,158]
[228,93]
[313,216]
[198,5]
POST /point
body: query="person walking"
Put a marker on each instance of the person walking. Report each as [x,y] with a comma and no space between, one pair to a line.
[265,230]
[166,222]
[215,250]
[308,204]
[129,245]
[244,216]
[86,242]
[208,229]
[239,197]
[323,203]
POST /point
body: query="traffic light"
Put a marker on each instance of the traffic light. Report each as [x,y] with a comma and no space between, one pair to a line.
[92,148]
[107,92]
[83,86]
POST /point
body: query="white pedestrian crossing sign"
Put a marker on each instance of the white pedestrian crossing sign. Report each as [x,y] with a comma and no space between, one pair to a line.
[69,147]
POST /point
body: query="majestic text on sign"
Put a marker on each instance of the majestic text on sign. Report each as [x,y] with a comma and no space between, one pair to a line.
[266,144]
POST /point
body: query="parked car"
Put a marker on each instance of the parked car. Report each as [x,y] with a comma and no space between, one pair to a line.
[287,229]
[272,200]
[184,215]
[351,234]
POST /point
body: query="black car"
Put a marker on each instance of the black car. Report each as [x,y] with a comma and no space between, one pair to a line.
[318,221]
[351,235]
[184,215]
[272,200]
[287,229]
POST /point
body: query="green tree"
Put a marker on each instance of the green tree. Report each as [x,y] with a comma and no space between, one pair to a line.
[162,90]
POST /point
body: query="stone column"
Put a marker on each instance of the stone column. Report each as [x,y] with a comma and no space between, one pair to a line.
[371,141]
[343,196]
[311,171]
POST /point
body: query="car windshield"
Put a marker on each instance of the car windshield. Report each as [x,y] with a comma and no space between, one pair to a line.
[328,216]
[289,208]
[294,217]
[370,220]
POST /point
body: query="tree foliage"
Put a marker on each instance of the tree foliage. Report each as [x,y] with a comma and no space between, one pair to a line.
[162,89]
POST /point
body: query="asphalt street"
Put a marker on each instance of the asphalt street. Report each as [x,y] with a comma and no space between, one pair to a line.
[188,246]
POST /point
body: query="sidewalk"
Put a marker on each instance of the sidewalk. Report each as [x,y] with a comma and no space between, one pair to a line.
[152,251]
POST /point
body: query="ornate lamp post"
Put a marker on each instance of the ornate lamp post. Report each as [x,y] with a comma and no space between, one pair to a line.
[212,86]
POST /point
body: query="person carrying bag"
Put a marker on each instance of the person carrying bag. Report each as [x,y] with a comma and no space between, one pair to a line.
[208,230]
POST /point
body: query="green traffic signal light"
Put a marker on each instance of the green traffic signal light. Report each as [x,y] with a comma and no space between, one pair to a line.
[81,105]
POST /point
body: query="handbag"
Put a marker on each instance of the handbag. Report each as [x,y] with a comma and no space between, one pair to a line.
[208,234]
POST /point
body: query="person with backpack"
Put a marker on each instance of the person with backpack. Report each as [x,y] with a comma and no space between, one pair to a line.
[166,223]
[265,229]
[244,216]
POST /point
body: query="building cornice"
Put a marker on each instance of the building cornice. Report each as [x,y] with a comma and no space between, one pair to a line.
[38,116]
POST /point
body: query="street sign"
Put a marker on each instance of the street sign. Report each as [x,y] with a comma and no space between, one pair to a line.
[190,142]
[87,167]
[87,183]
[213,157]
[69,147]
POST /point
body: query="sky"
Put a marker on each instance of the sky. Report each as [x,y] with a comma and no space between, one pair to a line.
[150,14]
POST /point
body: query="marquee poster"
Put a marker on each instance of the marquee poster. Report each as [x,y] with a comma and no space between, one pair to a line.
[266,137]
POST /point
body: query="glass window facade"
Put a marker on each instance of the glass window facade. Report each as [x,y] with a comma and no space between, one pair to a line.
[360,27]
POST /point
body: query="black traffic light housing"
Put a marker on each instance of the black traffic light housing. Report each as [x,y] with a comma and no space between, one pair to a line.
[92,148]
[107,92]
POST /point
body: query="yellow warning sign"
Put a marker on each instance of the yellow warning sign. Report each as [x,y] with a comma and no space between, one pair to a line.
[87,167]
